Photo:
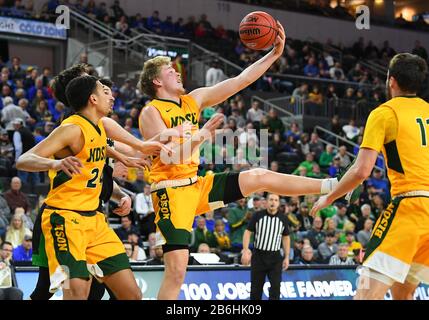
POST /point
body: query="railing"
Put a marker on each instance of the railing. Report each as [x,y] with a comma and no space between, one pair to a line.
[328,137]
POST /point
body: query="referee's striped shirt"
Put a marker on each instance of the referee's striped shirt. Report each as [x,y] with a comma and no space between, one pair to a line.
[269,230]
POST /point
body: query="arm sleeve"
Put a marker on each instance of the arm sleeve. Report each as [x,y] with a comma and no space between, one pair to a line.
[286,229]
[251,226]
[380,121]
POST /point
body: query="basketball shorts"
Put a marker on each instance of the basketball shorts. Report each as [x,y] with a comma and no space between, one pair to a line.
[77,244]
[399,244]
[176,207]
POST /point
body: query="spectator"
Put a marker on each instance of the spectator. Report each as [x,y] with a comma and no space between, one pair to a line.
[255,114]
[200,234]
[17,231]
[365,214]
[336,72]
[356,74]
[214,74]
[351,130]
[381,185]
[159,257]
[16,72]
[138,254]
[316,146]
[364,235]
[222,238]
[341,258]
[344,157]
[304,218]
[327,157]
[5,216]
[8,287]
[307,164]
[117,10]
[340,217]
[11,112]
[122,26]
[126,228]
[28,222]
[316,235]
[304,145]
[153,23]
[167,26]
[143,206]
[307,256]
[238,218]
[300,93]
[23,252]
[210,222]
[23,140]
[14,197]
[352,244]
[335,167]
[311,69]
[275,124]
[46,76]
[327,248]
[420,51]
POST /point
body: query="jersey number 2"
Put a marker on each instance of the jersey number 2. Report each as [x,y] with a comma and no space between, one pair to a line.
[421,124]
[92,182]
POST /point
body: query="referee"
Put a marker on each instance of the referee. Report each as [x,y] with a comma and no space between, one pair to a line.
[271,231]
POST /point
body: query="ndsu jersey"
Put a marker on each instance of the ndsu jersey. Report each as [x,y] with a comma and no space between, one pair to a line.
[81,191]
[400,128]
[173,115]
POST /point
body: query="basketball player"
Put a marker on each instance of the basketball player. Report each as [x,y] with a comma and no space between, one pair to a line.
[397,254]
[177,194]
[75,233]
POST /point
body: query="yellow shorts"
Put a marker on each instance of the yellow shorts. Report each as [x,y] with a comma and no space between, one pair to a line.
[176,207]
[399,244]
[79,242]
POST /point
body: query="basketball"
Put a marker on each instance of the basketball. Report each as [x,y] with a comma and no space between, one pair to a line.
[258,30]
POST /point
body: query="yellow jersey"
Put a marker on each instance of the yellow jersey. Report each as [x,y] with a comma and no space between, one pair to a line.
[82,191]
[400,129]
[173,115]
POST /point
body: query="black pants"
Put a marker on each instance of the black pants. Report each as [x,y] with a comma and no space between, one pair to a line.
[265,263]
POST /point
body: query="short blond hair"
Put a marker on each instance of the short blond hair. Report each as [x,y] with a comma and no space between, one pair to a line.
[151,70]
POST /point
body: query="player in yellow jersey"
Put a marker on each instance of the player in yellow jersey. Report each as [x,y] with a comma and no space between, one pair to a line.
[76,235]
[397,255]
[177,193]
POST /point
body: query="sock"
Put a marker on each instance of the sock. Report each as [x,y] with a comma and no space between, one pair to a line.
[328,185]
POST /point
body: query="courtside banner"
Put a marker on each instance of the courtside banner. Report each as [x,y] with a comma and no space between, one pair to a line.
[234,284]
[32,28]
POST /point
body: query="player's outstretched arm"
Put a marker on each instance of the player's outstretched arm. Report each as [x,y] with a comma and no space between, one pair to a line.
[210,96]
[38,158]
[357,173]
[115,132]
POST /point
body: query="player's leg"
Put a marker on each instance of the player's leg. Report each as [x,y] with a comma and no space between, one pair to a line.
[372,285]
[404,291]
[107,260]
[175,210]
[123,285]
[175,262]
[256,180]
[65,243]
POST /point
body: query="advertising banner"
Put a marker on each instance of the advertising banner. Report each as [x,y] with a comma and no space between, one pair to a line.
[215,284]
[32,28]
